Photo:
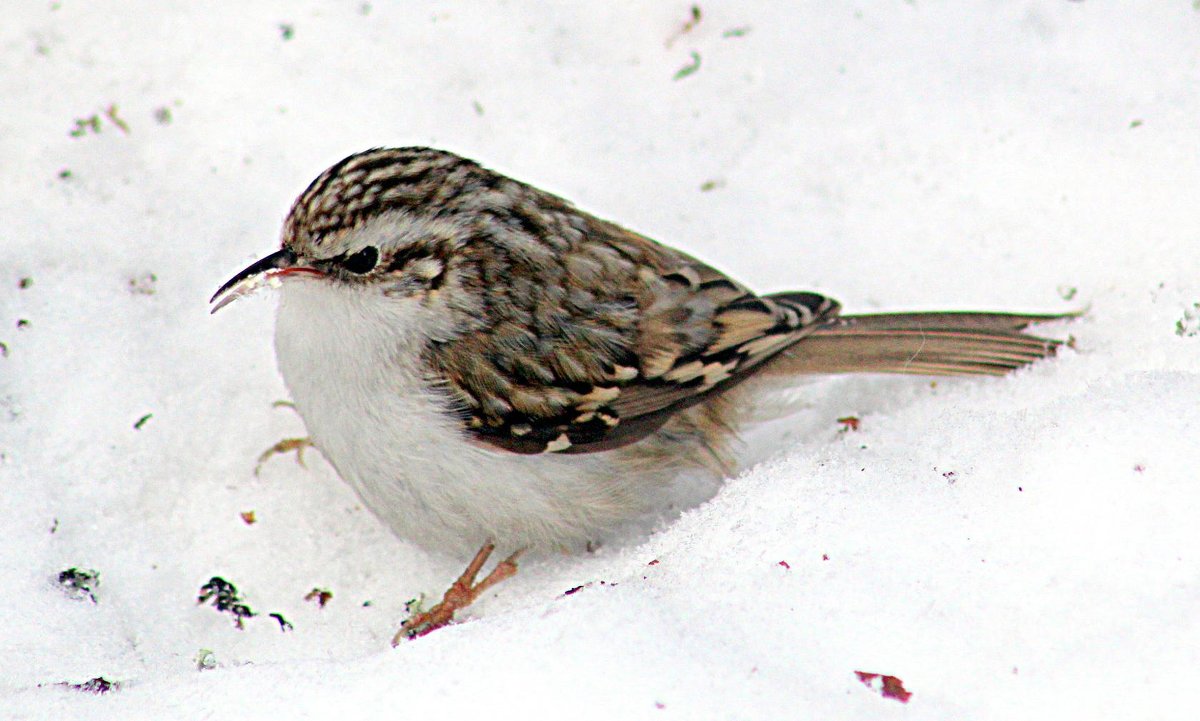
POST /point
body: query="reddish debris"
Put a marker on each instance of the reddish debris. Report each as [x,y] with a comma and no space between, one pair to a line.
[248,517]
[892,687]
[785,564]
[653,563]
[850,423]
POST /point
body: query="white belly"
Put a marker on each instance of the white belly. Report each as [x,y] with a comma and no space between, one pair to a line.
[354,373]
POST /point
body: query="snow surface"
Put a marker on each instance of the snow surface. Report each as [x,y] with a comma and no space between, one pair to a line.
[1017,548]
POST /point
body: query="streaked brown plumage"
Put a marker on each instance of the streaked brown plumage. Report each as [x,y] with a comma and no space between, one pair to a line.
[484,362]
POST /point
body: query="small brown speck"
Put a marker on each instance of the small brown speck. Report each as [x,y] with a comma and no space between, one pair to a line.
[248,517]
[320,595]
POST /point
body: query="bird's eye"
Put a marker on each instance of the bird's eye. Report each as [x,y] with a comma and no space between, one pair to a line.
[363,261]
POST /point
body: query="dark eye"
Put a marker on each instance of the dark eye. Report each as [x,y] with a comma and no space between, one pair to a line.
[363,261]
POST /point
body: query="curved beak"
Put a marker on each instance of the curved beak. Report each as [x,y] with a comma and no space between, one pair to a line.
[256,275]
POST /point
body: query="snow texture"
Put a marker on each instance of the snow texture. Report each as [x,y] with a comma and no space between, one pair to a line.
[1015,548]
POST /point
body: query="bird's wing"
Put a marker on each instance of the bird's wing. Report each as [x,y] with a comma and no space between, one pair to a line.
[619,337]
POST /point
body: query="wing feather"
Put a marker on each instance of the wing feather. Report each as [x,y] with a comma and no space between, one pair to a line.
[611,346]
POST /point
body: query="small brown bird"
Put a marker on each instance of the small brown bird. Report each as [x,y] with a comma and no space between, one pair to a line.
[486,364]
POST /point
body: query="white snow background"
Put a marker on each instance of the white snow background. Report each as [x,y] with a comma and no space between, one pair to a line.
[1019,548]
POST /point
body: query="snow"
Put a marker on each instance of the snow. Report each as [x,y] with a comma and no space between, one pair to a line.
[1017,548]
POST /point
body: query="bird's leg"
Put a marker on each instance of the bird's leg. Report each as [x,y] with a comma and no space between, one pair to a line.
[460,595]
[285,446]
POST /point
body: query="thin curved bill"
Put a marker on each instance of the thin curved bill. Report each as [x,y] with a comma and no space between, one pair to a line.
[266,271]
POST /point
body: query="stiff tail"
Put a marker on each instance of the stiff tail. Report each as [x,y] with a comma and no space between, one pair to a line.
[935,343]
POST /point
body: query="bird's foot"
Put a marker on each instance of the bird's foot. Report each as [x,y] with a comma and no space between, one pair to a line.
[460,595]
[287,445]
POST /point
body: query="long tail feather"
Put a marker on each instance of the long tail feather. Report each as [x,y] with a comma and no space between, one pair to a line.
[935,343]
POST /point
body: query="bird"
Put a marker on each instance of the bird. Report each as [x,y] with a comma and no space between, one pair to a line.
[486,364]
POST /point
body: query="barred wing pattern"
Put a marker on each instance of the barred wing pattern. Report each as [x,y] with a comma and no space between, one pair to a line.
[606,370]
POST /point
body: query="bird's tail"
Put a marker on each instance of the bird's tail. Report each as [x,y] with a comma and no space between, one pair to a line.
[934,343]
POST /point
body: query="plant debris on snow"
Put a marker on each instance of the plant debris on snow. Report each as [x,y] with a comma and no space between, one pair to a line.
[98,686]
[225,599]
[143,284]
[1189,325]
[79,583]
[320,595]
[888,687]
[694,18]
[690,68]
[205,660]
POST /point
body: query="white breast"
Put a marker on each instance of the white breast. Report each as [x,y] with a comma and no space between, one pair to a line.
[352,361]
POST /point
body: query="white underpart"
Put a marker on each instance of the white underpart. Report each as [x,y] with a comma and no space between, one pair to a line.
[351,360]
